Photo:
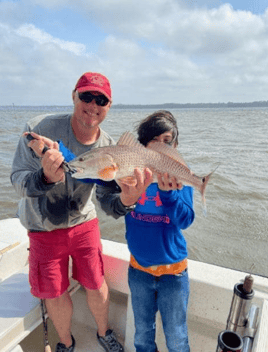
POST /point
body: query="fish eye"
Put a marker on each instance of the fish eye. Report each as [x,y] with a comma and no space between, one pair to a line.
[81,159]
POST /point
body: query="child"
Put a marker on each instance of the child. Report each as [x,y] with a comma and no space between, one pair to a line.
[158,277]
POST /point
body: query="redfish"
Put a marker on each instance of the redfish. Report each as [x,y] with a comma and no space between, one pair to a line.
[118,161]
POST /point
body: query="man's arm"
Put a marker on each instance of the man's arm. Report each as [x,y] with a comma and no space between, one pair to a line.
[118,200]
[110,202]
[32,176]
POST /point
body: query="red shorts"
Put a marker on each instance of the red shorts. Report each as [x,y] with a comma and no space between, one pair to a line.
[49,259]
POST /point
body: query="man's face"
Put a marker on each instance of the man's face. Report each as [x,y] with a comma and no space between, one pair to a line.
[89,115]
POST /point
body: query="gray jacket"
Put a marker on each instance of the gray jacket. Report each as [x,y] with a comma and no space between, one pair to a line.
[45,207]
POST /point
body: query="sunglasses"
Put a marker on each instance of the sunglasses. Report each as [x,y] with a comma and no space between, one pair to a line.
[87,97]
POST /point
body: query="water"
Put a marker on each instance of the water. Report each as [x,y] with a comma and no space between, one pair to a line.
[234,232]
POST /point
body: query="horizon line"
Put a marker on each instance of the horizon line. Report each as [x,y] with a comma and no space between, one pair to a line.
[174,105]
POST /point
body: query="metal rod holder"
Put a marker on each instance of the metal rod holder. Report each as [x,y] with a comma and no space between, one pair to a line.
[250,329]
[240,306]
[242,320]
[229,341]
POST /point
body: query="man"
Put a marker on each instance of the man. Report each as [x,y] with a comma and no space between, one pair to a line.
[58,212]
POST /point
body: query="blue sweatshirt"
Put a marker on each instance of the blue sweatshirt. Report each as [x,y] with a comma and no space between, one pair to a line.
[153,229]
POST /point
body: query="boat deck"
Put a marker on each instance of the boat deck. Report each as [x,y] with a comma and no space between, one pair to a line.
[83,327]
[211,292]
[203,336]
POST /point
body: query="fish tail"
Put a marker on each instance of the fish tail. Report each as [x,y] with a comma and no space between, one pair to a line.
[205,180]
[203,191]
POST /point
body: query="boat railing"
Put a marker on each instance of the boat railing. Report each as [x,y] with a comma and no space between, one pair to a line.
[211,290]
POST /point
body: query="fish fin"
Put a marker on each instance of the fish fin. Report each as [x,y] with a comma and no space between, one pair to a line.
[167,150]
[108,173]
[129,139]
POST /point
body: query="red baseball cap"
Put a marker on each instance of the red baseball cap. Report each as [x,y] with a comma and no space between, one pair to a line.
[94,82]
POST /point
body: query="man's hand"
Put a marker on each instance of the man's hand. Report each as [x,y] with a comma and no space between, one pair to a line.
[51,163]
[51,159]
[133,188]
[40,142]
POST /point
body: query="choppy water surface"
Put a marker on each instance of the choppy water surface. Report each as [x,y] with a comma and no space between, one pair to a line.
[234,232]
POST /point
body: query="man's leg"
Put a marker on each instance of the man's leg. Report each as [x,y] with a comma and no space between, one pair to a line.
[60,311]
[98,302]
[48,276]
[88,270]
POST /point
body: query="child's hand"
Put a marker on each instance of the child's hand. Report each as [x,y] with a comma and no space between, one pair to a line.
[166,183]
[132,188]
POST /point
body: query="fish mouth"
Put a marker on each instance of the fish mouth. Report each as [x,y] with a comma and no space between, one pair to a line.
[76,170]
[79,170]
[71,169]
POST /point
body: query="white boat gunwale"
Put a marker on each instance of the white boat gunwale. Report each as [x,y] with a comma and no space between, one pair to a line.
[210,298]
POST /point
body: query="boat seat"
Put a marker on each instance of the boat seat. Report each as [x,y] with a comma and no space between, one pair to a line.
[20,312]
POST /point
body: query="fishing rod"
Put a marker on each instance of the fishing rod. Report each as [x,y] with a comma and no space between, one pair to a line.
[46,343]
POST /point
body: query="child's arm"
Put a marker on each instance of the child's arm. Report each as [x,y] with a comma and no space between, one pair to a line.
[179,206]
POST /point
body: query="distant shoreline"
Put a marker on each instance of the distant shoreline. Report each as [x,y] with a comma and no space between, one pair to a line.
[255,104]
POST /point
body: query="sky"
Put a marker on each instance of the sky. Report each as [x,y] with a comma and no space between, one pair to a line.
[152,51]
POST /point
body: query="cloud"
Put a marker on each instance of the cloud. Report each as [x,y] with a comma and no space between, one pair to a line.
[36,68]
[168,22]
[41,37]
[216,54]
[157,51]
[14,13]
[50,4]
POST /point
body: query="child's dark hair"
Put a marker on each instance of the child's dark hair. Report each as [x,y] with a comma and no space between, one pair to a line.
[155,124]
